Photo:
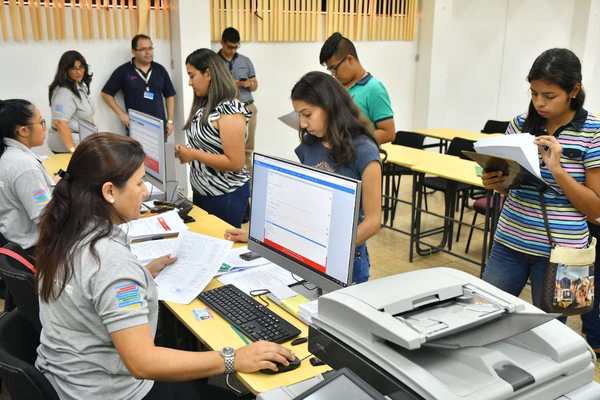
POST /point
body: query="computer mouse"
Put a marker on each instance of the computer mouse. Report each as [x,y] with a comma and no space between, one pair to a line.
[295,363]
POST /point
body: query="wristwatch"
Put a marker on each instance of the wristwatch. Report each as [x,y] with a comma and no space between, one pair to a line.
[228,354]
[170,121]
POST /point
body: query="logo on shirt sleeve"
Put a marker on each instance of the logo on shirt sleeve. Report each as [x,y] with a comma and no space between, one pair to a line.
[40,196]
[129,297]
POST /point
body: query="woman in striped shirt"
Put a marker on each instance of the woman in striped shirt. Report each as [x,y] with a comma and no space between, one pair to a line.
[215,132]
[568,140]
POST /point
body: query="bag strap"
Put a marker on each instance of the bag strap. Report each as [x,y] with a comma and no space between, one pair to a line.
[16,256]
[545,215]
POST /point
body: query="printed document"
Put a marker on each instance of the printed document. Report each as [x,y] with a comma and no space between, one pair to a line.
[519,148]
[198,260]
[167,224]
[291,119]
[233,262]
[265,277]
[150,249]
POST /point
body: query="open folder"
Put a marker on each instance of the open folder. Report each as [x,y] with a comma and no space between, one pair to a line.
[515,155]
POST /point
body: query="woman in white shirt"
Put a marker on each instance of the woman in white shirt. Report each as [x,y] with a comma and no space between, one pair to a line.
[72,108]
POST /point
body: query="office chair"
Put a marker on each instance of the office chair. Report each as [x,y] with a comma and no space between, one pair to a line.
[492,126]
[18,273]
[19,340]
[451,190]
[393,173]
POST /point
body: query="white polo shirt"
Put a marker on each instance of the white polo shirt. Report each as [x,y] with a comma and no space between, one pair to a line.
[25,189]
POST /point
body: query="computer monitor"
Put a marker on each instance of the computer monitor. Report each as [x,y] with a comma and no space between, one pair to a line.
[304,220]
[159,162]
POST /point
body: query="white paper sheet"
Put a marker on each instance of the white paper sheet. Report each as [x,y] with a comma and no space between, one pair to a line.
[155,226]
[151,249]
[233,262]
[518,147]
[264,277]
[198,259]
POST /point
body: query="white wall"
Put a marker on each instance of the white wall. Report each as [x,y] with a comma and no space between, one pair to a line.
[28,69]
[280,65]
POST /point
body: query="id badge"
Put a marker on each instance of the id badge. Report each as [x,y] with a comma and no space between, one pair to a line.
[148,95]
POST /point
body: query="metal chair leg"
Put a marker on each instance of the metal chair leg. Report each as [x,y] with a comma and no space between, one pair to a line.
[471,232]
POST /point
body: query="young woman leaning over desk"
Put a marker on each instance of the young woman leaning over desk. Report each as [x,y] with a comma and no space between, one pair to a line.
[568,140]
[334,136]
[98,305]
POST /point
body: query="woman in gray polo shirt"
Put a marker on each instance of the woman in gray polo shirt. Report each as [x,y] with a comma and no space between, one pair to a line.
[98,304]
[25,186]
[72,108]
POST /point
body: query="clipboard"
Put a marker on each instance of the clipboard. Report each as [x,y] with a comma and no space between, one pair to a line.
[515,174]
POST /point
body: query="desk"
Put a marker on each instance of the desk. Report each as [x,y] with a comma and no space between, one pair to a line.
[447,134]
[216,333]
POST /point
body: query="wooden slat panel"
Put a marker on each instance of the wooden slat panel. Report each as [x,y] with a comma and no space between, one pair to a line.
[166,19]
[3,23]
[100,20]
[48,13]
[143,14]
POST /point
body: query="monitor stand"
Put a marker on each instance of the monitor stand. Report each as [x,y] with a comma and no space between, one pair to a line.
[309,294]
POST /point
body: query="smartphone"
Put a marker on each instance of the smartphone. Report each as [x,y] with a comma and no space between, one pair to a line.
[249,256]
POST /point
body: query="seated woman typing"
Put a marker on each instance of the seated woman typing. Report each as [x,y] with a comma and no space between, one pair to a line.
[98,305]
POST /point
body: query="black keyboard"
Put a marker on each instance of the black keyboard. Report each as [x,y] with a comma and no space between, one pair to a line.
[249,316]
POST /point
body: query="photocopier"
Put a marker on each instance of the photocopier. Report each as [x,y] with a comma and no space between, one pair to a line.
[442,334]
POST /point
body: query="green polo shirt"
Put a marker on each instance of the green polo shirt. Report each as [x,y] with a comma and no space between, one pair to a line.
[370,96]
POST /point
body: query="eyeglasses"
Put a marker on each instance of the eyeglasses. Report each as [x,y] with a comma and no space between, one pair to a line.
[333,69]
[145,49]
[42,123]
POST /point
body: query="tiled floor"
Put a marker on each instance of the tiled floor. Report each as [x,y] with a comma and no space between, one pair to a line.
[389,250]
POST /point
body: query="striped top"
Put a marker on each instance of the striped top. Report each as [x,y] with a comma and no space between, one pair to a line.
[205,180]
[521,223]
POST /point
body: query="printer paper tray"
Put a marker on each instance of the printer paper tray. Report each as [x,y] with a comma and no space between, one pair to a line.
[509,325]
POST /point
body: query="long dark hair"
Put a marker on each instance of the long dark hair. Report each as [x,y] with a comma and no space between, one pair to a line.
[13,113]
[78,209]
[562,68]
[344,120]
[221,87]
[66,62]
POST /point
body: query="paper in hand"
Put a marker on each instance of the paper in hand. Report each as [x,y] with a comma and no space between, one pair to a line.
[291,119]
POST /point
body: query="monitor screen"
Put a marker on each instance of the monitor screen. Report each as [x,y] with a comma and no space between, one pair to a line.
[149,131]
[304,220]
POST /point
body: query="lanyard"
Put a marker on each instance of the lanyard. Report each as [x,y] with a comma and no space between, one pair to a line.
[146,78]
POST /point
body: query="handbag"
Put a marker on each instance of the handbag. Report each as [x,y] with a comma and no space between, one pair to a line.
[569,279]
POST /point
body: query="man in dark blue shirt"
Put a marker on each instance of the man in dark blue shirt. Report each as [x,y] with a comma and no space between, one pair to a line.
[144,84]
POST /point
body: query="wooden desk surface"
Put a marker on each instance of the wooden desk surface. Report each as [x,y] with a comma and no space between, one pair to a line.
[216,333]
[407,156]
[449,134]
[450,167]
[55,162]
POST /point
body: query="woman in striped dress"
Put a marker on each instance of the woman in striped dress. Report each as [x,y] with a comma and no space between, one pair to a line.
[568,140]
[215,131]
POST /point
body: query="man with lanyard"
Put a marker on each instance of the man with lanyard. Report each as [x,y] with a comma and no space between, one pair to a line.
[338,55]
[244,74]
[144,84]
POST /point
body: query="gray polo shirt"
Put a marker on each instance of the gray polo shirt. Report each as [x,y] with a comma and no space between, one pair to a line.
[68,107]
[241,68]
[25,189]
[76,351]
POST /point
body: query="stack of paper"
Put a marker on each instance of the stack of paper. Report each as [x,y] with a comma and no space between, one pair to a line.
[159,226]
[267,277]
[198,260]
[152,249]
[308,310]
[519,148]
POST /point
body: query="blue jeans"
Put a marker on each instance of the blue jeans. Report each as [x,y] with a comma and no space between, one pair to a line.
[230,207]
[508,270]
[591,320]
[360,272]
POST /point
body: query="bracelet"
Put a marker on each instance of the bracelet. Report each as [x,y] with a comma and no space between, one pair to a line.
[170,121]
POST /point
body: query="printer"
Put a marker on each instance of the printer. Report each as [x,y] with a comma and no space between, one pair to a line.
[442,334]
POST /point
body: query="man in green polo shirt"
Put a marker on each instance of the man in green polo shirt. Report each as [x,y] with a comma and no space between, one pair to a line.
[338,55]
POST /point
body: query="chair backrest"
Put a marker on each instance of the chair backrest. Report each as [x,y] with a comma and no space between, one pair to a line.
[457,145]
[492,126]
[18,350]
[409,139]
[16,271]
